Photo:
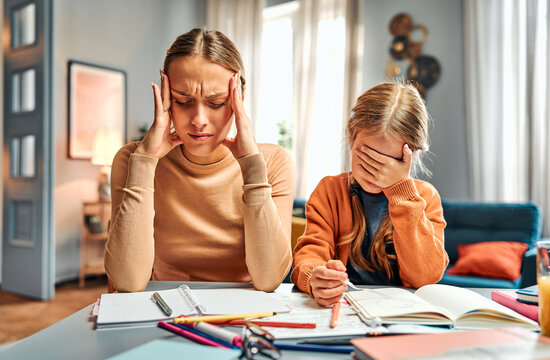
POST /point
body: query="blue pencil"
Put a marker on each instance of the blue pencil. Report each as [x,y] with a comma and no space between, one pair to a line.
[307,347]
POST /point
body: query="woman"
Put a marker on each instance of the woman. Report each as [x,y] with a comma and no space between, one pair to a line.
[188,203]
[375,225]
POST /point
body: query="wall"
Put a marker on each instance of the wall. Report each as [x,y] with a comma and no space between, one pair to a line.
[445,100]
[131,35]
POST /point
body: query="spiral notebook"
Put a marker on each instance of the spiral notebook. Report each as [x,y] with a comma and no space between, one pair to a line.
[138,309]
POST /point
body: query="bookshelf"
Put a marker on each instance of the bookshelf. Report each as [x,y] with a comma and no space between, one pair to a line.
[95,224]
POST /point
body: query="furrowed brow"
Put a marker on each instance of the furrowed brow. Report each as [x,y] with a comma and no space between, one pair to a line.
[180,92]
[216,95]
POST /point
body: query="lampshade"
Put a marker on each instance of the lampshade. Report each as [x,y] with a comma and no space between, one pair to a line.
[106,144]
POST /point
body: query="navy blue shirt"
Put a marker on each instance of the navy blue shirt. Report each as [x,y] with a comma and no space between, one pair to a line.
[375,207]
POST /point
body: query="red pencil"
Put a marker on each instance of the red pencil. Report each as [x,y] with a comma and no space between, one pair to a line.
[189,335]
[268,324]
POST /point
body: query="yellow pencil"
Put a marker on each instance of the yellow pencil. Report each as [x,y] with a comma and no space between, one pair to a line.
[190,319]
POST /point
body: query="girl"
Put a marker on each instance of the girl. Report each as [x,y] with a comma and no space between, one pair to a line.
[375,225]
[188,203]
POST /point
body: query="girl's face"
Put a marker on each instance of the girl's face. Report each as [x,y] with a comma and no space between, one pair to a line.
[383,144]
[200,106]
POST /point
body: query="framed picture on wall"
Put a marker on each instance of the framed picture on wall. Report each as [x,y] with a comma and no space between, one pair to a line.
[97,100]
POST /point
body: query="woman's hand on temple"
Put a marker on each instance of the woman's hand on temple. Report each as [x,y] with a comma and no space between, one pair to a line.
[159,140]
[244,143]
[327,282]
[382,170]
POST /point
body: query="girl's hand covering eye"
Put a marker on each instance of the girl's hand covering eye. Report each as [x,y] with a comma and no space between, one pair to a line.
[382,170]
[160,138]
[244,143]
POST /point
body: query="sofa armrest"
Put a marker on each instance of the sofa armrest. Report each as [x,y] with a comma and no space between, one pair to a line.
[298,228]
[529,268]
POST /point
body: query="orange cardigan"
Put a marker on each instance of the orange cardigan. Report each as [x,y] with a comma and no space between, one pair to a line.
[417,216]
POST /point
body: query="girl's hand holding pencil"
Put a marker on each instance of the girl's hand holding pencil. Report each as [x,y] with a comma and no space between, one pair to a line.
[328,282]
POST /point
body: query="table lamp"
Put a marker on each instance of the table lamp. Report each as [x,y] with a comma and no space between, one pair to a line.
[106,144]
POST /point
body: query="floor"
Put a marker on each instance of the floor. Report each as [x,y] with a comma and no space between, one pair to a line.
[22,317]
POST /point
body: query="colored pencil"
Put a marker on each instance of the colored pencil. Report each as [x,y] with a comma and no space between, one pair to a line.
[267,323]
[211,318]
[190,335]
[335,315]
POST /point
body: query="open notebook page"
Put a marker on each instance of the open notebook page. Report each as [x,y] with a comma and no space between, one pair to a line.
[126,308]
[306,310]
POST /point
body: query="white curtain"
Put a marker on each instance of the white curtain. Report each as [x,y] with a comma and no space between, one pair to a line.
[508,92]
[241,21]
[327,80]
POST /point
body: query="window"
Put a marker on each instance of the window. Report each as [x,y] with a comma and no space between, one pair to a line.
[321,150]
[276,123]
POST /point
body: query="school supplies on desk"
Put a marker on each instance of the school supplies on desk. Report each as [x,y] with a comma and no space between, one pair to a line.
[305,309]
[529,295]
[509,343]
[161,303]
[435,304]
[508,299]
[190,335]
[138,309]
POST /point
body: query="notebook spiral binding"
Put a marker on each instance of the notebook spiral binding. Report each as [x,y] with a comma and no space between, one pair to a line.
[191,299]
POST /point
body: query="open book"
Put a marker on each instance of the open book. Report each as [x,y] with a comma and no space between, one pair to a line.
[435,304]
[139,309]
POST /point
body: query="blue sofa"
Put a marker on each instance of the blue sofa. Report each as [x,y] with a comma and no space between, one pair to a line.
[470,222]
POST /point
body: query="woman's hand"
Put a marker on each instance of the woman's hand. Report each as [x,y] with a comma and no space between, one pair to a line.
[159,140]
[327,282]
[243,144]
[382,170]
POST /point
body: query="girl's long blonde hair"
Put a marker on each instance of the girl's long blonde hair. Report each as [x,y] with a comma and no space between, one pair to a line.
[395,110]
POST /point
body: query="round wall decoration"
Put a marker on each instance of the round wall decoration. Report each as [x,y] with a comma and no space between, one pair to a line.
[423,71]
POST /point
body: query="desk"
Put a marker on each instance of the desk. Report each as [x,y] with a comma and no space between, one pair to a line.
[75,338]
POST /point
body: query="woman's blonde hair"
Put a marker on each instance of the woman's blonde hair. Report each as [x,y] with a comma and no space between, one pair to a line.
[395,110]
[211,45]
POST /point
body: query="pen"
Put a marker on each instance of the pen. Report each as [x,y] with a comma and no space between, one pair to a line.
[350,284]
[190,335]
[379,333]
[306,347]
[335,315]
[209,318]
[282,324]
[161,304]
[218,333]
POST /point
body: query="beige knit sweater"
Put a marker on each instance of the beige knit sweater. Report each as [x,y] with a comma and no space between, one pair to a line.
[176,220]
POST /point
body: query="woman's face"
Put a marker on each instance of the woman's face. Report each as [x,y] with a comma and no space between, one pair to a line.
[383,144]
[200,103]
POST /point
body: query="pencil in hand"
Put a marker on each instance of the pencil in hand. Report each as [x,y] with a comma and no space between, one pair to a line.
[335,315]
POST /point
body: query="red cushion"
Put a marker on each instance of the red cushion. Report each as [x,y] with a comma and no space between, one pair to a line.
[494,259]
